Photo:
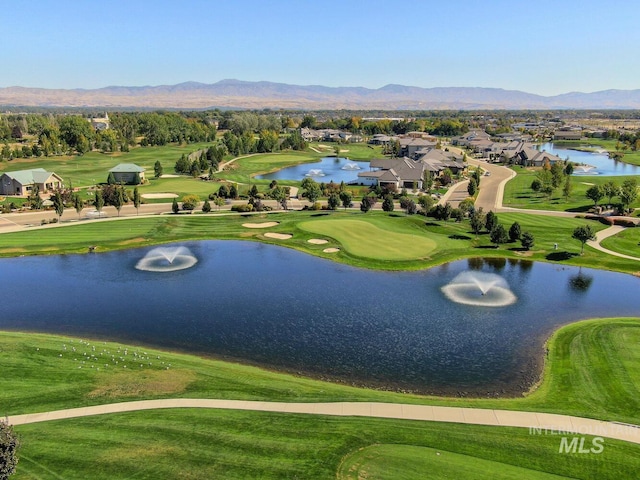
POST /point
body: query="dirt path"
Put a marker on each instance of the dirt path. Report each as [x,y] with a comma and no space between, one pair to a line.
[538,423]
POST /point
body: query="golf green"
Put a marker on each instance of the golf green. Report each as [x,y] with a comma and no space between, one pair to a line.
[365,239]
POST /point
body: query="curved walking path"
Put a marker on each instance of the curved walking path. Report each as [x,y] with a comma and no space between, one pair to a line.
[609,232]
[538,423]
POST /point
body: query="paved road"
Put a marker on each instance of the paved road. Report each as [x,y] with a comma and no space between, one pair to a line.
[546,422]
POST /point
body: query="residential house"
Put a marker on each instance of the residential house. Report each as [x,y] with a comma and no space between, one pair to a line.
[437,161]
[23,182]
[568,134]
[381,139]
[128,173]
[528,156]
[100,123]
[395,173]
[404,172]
[409,146]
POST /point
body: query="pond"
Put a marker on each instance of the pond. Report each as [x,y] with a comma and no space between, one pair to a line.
[599,160]
[282,309]
[329,169]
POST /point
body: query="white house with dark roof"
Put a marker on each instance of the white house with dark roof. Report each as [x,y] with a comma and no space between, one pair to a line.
[129,173]
[23,182]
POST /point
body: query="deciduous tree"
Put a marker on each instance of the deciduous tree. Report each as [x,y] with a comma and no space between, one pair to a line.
[583,233]
[594,193]
[9,445]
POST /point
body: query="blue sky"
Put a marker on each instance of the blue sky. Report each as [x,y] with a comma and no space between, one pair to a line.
[544,47]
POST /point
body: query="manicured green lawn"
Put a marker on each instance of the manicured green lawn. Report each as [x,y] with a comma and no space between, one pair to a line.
[93,167]
[408,462]
[367,239]
[181,186]
[245,168]
[211,444]
[518,193]
[592,369]
[627,242]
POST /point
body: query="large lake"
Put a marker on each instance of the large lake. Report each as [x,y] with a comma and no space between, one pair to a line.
[283,309]
[599,159]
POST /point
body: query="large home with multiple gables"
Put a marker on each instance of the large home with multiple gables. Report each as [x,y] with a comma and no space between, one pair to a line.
[23,182]
[405,172]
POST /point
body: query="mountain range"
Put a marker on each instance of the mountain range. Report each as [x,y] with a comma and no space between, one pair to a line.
[257,95]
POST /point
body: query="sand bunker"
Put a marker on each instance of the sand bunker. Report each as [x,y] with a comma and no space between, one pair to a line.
[331,250]
[260,225]
[317,241]
[159,195]
[278,236]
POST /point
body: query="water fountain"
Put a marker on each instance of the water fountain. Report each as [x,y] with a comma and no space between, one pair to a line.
[315,172]
[479,289]
[584,170]
[351,166]
[167,259]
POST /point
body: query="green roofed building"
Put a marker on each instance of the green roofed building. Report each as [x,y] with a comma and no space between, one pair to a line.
[23,182]
[128,173]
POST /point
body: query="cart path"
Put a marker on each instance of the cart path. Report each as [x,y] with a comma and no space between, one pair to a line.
[538,423]
[609,232]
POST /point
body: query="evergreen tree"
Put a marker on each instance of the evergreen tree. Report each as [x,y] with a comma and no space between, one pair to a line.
[137,199]
[111,179]
[515,232]
[98,201]
[527,241]
[477,220]
[491,221]
[58,204]
[78,204]
[499,235]
[206,206]
[157,169]
[175,208]
[333,201]
[119,198]
[387,204]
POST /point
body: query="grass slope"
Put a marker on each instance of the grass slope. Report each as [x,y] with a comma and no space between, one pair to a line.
[408,462]
[518,193]
[234,445]
[592,370]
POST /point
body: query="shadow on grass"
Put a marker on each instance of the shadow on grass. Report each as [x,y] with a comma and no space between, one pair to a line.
[582,209]
[560,256]
[459,237]
[319,215]
[487,247]
[431,224]
[396,215]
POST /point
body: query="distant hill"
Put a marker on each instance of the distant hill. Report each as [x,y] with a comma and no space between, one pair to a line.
[240,94]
